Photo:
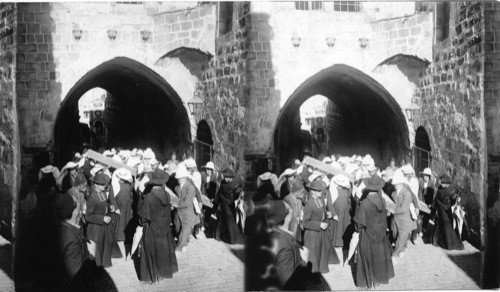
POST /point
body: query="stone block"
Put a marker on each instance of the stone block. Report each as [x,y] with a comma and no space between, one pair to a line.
[34,28]
[186,25]
[41,57]
[415,31]
[43,48]
[403,33]
[198,23]
[171,18]
[389,25]
[176,27]
[30,7]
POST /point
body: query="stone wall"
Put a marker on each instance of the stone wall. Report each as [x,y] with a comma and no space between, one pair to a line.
[411,35]
[9,135]
[450,96]
[51,60]
[278,67]
[224,91]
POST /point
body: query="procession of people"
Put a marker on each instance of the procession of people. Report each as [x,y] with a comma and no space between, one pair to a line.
[296,224]
[92,211]
[346,210]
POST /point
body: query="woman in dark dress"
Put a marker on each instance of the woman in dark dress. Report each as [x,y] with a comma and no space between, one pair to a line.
[444,235]
[120,196]
[374,264]
[332,220]
[158,258]
[227,230]
[342,207]
[99,228]
[316,236]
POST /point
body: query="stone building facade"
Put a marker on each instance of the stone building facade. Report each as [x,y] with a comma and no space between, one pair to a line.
[253,64]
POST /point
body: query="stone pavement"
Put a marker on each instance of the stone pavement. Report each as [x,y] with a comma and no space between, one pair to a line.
[210,265]
[424,267]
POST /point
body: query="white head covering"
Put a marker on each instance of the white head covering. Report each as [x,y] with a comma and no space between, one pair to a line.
[367,161]
[407,169]
[149,154]
[398,177]
[427,171]
[96,169]
[133,161]
[182,171]
[341,180]
[48,169]
[190,163]
[314,175]
[120,173]
[287,172]
[209,165]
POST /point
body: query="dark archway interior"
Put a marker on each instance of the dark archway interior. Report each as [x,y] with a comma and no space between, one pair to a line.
[204,143]
[372,120]
[144,111]
[422,139]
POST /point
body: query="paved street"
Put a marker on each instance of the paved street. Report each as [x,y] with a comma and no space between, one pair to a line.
[424,267]
[209,265]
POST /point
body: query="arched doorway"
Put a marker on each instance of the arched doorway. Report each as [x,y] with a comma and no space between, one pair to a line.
[143,111]
[421,150]
[203,143]
[372,120]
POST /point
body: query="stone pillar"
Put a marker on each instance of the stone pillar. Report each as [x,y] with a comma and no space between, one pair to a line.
[10,163]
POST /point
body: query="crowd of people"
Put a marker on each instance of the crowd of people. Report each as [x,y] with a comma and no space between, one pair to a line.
[90,212]
[357,213]
[294,225]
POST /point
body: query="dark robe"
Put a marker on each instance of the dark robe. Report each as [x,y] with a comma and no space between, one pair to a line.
[227,230]
[100,232]
[77,268]
[317,240]
[332,224]
[374,263]
[287,260]
[342,207]
[285,189]
[123,202]
[444,235]
[36,246]
[158,258]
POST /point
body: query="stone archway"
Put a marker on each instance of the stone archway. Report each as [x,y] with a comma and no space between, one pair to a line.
[373,121]
[151,114]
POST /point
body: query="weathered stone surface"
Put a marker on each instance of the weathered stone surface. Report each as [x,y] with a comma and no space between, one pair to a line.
[451,97]
[9,135]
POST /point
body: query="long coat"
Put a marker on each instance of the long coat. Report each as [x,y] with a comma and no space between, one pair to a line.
[317,240]
[287,257]
[402,216]
[342,207]
[77,268]
[426,194]
[444,235]
[332,224]
[374,264]
[123,202]
[227,230]
[100,232]
[158,258]
[186,209]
